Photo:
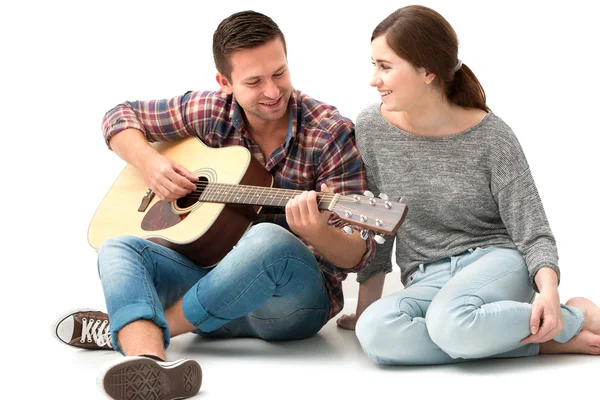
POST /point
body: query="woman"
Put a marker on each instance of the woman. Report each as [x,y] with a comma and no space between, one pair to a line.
[476,244]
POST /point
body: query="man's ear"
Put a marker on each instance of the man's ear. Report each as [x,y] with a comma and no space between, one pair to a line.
[224,83]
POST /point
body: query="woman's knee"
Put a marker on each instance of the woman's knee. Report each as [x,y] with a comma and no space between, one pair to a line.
[382,333]
[452,329]
[370,331]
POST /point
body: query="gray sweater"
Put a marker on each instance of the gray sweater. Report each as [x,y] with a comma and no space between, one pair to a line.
[472,189]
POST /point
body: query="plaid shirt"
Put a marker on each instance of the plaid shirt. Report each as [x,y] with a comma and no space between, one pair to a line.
[319,148]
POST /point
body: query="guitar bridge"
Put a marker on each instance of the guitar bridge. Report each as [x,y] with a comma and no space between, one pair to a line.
[146,200]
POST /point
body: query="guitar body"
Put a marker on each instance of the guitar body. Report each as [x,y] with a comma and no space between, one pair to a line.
[204,232]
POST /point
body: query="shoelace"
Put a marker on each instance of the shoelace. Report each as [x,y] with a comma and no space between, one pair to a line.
[96,330]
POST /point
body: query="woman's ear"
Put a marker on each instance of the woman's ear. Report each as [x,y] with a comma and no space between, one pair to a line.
[428,76]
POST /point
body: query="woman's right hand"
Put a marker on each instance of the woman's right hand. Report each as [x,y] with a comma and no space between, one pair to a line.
[347,321]
[167,178]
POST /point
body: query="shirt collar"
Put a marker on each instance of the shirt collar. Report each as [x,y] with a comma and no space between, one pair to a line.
[237,117]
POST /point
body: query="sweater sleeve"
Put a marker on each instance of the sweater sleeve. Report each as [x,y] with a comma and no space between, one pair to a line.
[521,209]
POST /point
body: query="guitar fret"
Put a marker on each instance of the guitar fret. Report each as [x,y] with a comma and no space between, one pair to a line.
[251,195]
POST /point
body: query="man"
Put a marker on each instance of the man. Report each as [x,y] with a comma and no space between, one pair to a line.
[283,278]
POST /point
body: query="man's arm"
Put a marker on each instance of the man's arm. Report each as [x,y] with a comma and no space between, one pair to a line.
[340,170]
[168,179]
[129,127]
[306,220]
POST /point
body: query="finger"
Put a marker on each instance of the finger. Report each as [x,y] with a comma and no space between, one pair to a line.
[549,336]
[535,320]
[546,329]
[556,328]
[162,193]
[344,318]
[324,188]
[544,334]
[534,324]
[181,181]
[291,212]
[184,178]
[303,212]
[311,205]
[175,191]
[184,172]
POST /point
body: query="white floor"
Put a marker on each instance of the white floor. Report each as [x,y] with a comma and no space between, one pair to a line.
[69,62]
[329,365]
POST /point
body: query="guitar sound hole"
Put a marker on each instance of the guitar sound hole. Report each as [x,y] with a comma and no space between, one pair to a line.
[192,198]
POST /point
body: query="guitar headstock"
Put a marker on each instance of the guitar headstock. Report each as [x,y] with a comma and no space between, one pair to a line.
[377,214]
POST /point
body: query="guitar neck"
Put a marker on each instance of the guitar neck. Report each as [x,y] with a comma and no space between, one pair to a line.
[257,195]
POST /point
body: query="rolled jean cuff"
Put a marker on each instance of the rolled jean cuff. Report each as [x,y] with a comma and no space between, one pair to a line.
[197,315]
[134,312]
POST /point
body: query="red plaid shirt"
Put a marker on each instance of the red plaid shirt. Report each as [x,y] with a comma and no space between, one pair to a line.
[319,148]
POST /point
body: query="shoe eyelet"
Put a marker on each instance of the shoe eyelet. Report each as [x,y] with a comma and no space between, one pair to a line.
[83,319]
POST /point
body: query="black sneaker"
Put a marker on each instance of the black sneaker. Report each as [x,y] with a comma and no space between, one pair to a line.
[84,329]
[141,378]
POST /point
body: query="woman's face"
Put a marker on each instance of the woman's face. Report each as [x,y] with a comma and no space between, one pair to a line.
[401,86]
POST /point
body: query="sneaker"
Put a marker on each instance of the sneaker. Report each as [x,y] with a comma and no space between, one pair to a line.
[141,378]
[84,329]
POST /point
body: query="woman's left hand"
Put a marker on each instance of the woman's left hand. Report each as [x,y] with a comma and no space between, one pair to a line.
[546,317]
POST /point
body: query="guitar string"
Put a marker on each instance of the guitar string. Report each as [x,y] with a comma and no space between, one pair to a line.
[216,189]
[221,190]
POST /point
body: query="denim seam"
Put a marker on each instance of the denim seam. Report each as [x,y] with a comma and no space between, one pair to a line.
[289,315]
[145,275]
[191,265]
[400,312]
[490,282]
[254,280]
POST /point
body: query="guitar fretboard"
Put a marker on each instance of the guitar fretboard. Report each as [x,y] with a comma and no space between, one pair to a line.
[257,195]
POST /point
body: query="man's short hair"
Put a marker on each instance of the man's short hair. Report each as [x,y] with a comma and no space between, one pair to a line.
[240,31]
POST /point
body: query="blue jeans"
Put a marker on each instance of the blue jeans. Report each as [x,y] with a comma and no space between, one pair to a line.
[473,305]
[269,286]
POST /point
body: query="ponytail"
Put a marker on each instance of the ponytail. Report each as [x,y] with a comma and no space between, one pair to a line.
[465,90]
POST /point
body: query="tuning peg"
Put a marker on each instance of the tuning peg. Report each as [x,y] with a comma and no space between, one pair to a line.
[368,193]
[347,230]
[364,234]
[379,239]
[384,196]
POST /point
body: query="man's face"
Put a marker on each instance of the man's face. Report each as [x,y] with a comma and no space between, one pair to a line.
[260,81]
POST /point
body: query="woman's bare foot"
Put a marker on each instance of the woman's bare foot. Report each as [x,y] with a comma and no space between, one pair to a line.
[584,343]
[347,321]
[591,313]
[588,340]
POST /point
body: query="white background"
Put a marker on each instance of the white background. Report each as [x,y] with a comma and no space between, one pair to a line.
[64,64]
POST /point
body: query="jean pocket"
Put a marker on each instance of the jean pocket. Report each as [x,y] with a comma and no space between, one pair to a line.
[413,277]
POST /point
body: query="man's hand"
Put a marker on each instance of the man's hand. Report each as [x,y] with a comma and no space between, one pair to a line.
[304,217]
[166,178]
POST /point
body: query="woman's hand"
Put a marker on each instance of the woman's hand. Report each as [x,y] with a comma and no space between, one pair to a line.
[347,321]
[546,315]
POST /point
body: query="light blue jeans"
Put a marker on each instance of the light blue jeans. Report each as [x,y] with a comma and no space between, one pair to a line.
[473,305]
[269,286]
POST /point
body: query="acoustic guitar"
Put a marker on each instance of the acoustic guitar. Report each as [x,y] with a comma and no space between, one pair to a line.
[231,191]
